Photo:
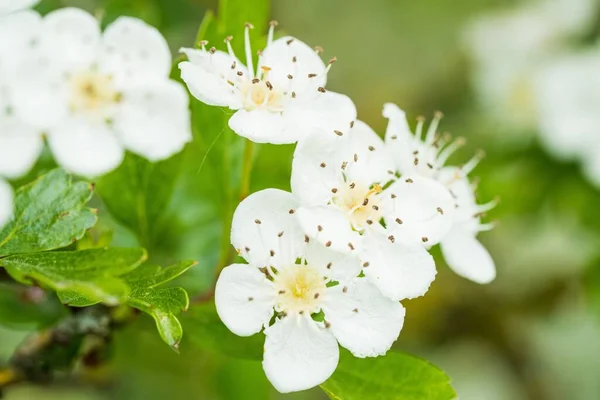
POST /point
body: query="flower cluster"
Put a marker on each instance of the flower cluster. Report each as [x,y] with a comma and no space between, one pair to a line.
[330,262]
[92,95]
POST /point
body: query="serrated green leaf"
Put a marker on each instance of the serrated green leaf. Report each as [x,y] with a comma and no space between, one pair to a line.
[395,376]
[149,276]
[138,192]
[205,330]
[81,278]
[50,213]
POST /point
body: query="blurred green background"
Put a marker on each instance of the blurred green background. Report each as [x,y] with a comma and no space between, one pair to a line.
[534,333]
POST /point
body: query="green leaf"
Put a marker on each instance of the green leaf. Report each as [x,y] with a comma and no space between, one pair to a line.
[138,192]
[50,213]
[205,330]
[395,376]
[81,278]
[162,304]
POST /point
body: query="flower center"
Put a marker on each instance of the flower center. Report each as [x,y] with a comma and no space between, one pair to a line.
[360,204]
[92,92]
[299,288]
[260,94]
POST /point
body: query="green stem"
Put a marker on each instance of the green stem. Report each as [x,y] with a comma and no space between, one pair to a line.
[246,169]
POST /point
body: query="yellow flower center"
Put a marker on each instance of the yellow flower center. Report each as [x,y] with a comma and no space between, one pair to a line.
[92,92]
[300,289]
[360,204]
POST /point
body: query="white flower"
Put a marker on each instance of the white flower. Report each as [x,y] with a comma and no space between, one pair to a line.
[307,297]
[426,155]
[11,6]
[283,101]
[507,47]
[568,97]
[350,205]
[96,95]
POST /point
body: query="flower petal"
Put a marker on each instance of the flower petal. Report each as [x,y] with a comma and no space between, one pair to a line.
[279,56]
[206,77]
[10,6]
[260,126]
[134,50]
[154,119]
[20,146]
[368,159]
[265,231]
[329,227]
[399,138]
[299,354]
[421,210]
[17,32]
[244,298]
[332,264]
[316,169]
[362,319]
[329,114]
[70,36]
[6,202]
[467,257]
[399,271]
[85,148]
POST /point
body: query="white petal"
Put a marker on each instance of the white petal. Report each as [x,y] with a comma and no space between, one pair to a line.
[154,119]
[17,32]
[362,319]
[6,202]
[134,50]
[329,227]
[206,77]
[265,231]
[325,112]
[399,271]
[279,56]
[299,354]
[334,265]
[373,162]
[399,138]
[85,148]
[71,37]
[467,257]
[421,211]
[20,146]
[244,298]
[316,169]
[260,126]
[10,6]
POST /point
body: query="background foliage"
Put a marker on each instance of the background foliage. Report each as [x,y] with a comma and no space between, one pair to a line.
[532,334]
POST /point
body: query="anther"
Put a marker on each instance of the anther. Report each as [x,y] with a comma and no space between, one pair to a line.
[228,39]
[327,325]
[319,49]
[416,162]
[393,195]
[247,249]
[351,246]
[369,222]
[329,265]
[323,165]
[280,234]
[430,165]
[394,137]
[439,209]
[376,208]
[233,65]
[351,124]
[249,25]
[339,133]
[424,239]
[294,59]
[352,185]
[312,75]
[306,239]
[371,148]
[273,23]
[293,95]
[250,298]
[319,228]
[355,157]
[366,264]
[212,50]
[317,295]
[282,292]
[391,238]
[203,43]
[365,202]
[257,221]
[328,244]
[398,221]
[255,80]
[344,164]
[345,289]
[409,180]
[321,89]
[332,60]
[240,73]
[272,252]
[355,310]
[291,211]
[334,190]
[290,77]
[269,85]
[290,41]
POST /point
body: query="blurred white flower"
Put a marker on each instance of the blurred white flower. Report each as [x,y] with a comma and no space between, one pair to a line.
[11,6]
[283,101]
[568,96]
[426,156]
[306,296]
[96,95]
[351,203]
[507,47]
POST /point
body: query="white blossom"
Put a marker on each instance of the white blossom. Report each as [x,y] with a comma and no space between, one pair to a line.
[568,97]
[307,297]
[11,6]
[508,46]
[425,154]
[352,202]
[282,101]
[97,94]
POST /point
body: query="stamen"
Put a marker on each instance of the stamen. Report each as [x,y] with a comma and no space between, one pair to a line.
[449,150]
[419,130]
[272,26]
[319,49]
[433,127]
[248,49]
[488,206]
[470,166]
[203,44]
